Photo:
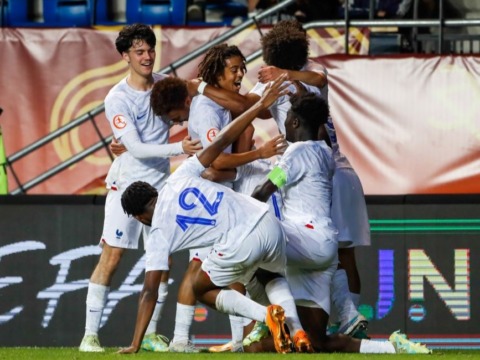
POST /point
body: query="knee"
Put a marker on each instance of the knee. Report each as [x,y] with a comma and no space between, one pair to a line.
[109,260]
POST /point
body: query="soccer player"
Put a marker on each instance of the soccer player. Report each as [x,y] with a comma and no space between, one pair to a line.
[305,173]
[349,211]
[247,240]
[145,135]
[222,67]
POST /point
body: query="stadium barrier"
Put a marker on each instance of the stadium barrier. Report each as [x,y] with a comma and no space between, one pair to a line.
[418,270]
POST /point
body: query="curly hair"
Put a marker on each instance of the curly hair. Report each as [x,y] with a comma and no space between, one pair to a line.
[168,94]
[289,25]
[137,196]
[213,64]
[135,32]
[285,48]
[310,109]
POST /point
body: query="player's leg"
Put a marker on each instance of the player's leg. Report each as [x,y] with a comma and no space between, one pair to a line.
[346,295]
[258,330]
[349,214]
[236,328]
[398,343]
[315,321]
[97,293]
[186,302]
[119,233]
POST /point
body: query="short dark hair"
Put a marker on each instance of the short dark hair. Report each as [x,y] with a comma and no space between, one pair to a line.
[137,196]
[213,64]
[131,33]
[285,48]
[310,109]
[168,94]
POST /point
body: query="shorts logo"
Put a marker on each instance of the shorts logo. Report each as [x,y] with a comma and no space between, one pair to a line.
[119,234]
[119,122]
[211,134]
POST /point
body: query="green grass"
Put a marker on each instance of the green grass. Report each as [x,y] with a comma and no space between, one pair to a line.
[26,353]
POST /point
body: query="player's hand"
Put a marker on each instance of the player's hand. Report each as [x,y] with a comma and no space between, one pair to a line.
[117,148]
[128,350]
[274,90]
[275,146]
[269,73]
[192,86]
[190,146]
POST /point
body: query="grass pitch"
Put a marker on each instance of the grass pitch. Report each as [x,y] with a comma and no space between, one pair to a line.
[26,353]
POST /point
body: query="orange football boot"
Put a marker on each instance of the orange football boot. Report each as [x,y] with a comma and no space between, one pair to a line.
[275,321]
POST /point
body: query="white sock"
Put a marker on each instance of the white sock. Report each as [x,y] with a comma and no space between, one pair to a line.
[234,303]
[376,347]
[183,322]
[340,297]
[279,293]
[257,293]
[356,299]
[96,299]
[236,326]
[157,312]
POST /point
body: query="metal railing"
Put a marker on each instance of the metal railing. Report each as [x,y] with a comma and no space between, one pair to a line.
[103,143]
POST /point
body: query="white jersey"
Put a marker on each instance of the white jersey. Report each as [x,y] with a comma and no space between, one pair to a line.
[341,160]
[128,110]
[250,175]
[192,212]
[206,119]
[280,107]
[308,168]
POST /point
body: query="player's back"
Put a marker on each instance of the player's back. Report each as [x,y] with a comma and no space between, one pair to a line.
[193,212]
[308,192]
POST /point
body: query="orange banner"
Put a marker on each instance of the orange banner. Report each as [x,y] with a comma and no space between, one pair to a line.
[409,124]
[51,76]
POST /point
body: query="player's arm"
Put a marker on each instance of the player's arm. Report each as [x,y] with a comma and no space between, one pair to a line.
[275,146]
[275,180]
[245,141]
[230,100]
[233,130]
[215,175]
[140,150]
[310,77]
[146,305]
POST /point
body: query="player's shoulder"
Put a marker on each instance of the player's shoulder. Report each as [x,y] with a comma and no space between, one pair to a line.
[118,91]
[203,106]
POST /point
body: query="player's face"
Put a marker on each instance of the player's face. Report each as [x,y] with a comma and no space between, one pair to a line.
[289,127]
[141,58]
[232,74]
[177,116]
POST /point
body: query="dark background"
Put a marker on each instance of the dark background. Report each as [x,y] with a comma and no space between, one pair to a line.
[65,223]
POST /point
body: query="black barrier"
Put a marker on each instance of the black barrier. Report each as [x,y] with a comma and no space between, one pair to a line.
[417,276]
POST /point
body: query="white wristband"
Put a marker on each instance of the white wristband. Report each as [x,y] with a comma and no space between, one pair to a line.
[201,87]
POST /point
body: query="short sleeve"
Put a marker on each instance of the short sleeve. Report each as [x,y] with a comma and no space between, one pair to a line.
[119,115]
